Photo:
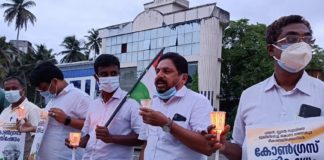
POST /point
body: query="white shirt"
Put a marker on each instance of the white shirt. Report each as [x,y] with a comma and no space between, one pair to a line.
[266,103]
[126,121]
[75,104]
[162,145]
[9,115]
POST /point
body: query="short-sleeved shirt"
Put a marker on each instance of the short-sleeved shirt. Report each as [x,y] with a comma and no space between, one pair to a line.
[9,115]
[162,145]
[74,103]
[126,121]
[267,103]
[3,101]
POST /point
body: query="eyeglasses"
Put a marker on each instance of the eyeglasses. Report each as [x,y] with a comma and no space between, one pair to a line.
[296,38]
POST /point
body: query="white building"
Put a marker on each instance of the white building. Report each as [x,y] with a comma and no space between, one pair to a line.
[196,33]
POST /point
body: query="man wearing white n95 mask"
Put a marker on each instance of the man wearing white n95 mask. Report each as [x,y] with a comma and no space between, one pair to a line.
[279,97]
[116,141]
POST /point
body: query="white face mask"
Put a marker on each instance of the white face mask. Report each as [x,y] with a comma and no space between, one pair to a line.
[108,84]
[13,96]
[295,57]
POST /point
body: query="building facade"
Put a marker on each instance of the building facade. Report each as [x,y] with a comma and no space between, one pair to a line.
[195,33]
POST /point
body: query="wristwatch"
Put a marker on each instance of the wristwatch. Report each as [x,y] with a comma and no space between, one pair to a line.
[67,120]
[167,127]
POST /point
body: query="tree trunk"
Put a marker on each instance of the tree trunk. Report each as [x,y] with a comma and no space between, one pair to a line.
[18,33]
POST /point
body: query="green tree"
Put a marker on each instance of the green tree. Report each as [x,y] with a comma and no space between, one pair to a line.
[17,10]
[94,42]
[73,52]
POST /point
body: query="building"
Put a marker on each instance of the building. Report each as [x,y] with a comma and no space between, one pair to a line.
[196,33]
[22,45]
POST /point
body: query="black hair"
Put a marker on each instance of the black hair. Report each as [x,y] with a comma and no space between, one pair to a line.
[106,60]
[45,72]
[179,62]
[274,29]
[15,78]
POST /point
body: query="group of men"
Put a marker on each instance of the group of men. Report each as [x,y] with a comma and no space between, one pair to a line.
[177,127]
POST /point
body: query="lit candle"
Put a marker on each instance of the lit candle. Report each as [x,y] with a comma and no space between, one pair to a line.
[21,113]
[146,103]
[218,119]
[43,114]
[74,138]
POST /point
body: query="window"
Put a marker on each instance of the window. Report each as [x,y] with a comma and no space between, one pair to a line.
[135,46]
[195,48]
[153,43]
[135,36]
[159,43]
[113,40]
[128,57]
[88,86]
[129,38]
[76,84]
[124,48]
[180,29]
[188,27]
[146,44]
[187,50]
[146,55]
[124,38]
[154,33]
[141,36]
[188,38]
[195,37]
[147,34]
[134,56]
[181,39]
[108,41]
[119,39]
[160,32]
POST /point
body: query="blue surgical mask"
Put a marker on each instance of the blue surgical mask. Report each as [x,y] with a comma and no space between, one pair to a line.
[13,96]
[48,95]
[167,94]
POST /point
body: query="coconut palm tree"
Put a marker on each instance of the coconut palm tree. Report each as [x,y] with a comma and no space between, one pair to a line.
[73,52]
[94,41]
[17,10]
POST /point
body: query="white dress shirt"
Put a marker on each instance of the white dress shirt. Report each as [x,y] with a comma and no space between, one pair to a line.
[125,122]
[162,145]
[75,104]
[9,115]
[267,103]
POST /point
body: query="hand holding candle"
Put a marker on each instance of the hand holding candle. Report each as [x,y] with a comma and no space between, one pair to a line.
[218,120]
[146,103]
[74,138]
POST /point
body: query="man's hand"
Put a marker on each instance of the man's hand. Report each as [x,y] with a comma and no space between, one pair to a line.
[103,134]
[25,126]
[154,118]
[57,114]
[211,137]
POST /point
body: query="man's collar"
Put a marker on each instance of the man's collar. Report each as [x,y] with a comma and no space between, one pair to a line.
[302,84]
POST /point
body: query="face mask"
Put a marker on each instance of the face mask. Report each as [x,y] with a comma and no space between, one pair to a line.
[13,96]
[108,84]
[294,57]
[169,93]
[48,95]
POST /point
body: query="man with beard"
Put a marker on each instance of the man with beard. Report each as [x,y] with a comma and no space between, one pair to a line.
[178,115]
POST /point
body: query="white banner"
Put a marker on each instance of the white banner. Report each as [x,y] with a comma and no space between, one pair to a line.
[12,142]
[40,131]
[298,140]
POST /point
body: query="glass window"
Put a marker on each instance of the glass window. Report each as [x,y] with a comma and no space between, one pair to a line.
[108,41]
[173,31]
[140,55]
[141,36]
[187,50]
[129,38]
[148,34]
[188,28]
[195,37]
[128,57]
[154,33]
[166,41]
[160,32]
[118,48]
[159,43]
[146,44]
[181,39]
[167,31]
[113,40]
[153,43]
[195,48]
[88,86]
[135,46]
[128,77]
[108,50]
[124,48]
[173,49]
[146,55]
[76,84]
[140,45]
[195,26]
[172,40]
[134,56]
[124,38]
[119,39]
[153,53]
[180,50]
[140,65]
[123,58]
[130,47]
[180,29]
[188,38]
[113,50]
[135,36]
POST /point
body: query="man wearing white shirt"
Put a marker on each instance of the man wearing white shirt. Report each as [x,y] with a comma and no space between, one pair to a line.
[116,141]
[67,108]
[178,115]
[279,97]
[15,95]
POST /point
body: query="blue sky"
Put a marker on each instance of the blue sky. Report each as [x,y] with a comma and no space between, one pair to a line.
[59,18]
